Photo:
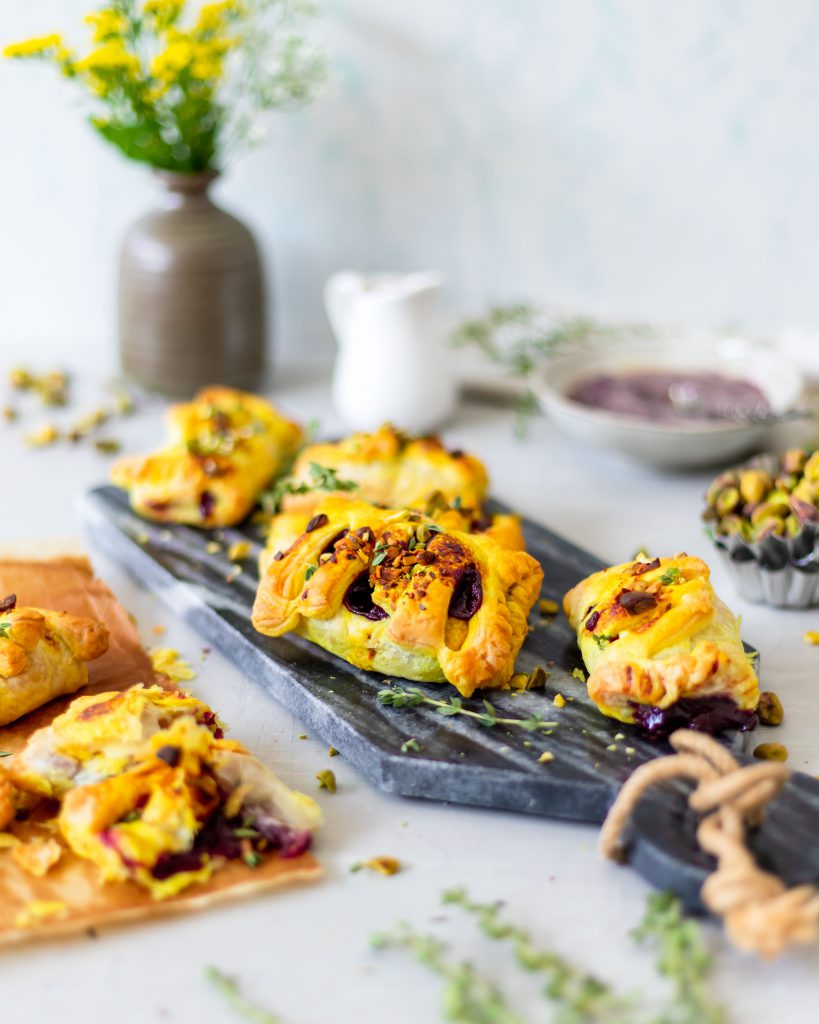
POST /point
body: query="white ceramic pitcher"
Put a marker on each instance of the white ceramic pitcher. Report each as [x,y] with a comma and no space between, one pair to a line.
[392,363]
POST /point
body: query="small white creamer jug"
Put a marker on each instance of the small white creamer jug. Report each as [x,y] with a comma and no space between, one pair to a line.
[392,362]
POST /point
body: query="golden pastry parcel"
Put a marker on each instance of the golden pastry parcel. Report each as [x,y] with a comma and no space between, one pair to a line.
[653,633]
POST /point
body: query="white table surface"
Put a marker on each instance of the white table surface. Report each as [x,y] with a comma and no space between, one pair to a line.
[304,952]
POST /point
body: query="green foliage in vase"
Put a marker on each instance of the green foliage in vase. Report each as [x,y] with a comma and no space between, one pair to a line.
[184,87]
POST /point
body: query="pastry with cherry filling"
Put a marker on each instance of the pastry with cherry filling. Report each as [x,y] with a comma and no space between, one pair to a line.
[661,648]
[224,448]
[392,591]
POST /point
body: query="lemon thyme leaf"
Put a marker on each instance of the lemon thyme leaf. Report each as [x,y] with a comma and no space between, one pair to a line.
[410,696]
[229,988]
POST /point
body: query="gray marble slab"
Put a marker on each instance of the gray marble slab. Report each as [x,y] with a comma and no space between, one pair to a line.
[459,760]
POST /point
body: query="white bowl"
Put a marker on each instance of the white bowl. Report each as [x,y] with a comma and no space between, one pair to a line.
[684,444]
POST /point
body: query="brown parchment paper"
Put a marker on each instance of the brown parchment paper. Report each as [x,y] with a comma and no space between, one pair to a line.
[66,583]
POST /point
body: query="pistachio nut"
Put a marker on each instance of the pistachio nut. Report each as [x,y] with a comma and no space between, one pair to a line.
[754,484]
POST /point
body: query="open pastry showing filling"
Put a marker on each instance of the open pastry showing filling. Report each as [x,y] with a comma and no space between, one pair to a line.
[43,654]
[661,647]
[152,792]
[225,446]
[392,591]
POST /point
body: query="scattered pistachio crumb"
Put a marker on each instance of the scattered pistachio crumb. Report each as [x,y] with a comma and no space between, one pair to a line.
[771,752]
[519,681]
[528,743]
[212,547]
[239,551]
[770,709]
[811,637]
[579,675]
[620,736]
[46,435]
[332,752]
[9,413]
[546,756]
[411,744]
[611,746]
[630,751]
[303,736]
[107,445]
[547,607]
[559,700]
[326,780]
[158,629]
[383,865]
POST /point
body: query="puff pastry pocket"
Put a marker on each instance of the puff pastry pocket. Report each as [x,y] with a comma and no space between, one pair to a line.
[224,448]
[391,591]
[392,469]
[151,792]
[654,634]
[43,655]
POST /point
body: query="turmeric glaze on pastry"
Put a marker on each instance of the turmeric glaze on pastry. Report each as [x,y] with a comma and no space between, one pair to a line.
[390,468]
[153,793]
[653,633]
[43,654]
[224,448]
[98,736]
[391,591]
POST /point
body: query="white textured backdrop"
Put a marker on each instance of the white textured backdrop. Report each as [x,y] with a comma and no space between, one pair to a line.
[650,159]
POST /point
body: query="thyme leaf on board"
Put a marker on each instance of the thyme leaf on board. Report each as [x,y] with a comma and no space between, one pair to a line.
[229,989]
[412,697]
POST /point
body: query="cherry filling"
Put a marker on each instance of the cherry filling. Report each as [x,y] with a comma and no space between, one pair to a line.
[359,599]
[467,597]
[207,503]
[704,714]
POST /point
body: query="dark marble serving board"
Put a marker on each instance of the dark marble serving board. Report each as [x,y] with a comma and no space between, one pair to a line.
[460,760]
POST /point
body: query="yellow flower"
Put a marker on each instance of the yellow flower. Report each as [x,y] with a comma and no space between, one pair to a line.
[107,24]
[38,47]
[107,65]
[163,13]
[202,59]
[214,17]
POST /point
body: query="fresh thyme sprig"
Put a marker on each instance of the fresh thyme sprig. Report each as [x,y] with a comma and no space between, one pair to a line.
[581,997]
[322,478]
[682,958]
[244,1008]
[413,697]
[468,997]
[521,338]
[578,997]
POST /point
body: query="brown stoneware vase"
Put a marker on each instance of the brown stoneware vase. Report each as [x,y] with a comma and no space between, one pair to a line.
[191,294]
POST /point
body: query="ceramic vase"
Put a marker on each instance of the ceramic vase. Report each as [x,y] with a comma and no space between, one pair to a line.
[191,294]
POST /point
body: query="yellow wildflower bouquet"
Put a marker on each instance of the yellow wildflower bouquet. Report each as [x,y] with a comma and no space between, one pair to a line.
[181,86]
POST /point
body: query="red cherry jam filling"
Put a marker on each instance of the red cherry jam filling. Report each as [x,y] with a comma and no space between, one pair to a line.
[467,597]
[704,714]
[359,599]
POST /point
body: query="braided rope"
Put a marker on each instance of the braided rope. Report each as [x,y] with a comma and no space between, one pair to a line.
[761,915]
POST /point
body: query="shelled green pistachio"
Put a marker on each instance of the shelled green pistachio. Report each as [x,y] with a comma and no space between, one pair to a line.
[774,497]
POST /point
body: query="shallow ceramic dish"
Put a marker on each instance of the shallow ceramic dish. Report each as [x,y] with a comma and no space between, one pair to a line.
[686,443]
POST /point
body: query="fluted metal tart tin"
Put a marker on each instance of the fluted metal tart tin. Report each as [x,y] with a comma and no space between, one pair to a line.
[778,571]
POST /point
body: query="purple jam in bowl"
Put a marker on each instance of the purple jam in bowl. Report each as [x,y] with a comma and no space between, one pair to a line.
[667,396]
[467,597]
[704,714]
[359,599]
